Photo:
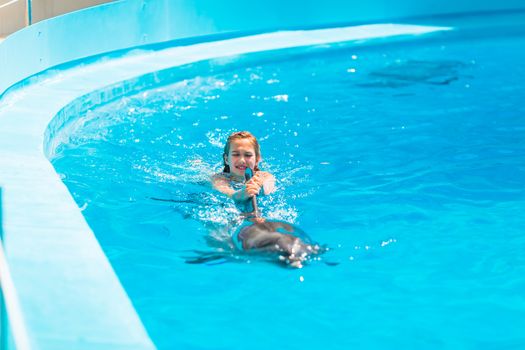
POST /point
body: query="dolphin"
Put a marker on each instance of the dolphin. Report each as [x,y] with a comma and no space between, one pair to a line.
[289,241]
[259,235]
[292,243]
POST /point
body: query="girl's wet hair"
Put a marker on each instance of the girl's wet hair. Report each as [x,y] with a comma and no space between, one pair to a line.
[238,136]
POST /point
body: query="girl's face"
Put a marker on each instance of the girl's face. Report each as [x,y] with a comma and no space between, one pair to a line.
[241,156]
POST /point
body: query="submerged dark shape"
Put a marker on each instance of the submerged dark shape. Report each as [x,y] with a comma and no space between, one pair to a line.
[256,236]
[290,242]
[260,234]
[210,258]
[265,239]
[404,73]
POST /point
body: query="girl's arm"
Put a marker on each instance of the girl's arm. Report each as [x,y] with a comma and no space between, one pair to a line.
[265,180]
[222,184]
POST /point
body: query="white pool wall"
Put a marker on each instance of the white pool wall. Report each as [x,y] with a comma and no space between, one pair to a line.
[128,23]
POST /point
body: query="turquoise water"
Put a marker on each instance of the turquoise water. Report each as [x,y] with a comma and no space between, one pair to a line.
[406,161]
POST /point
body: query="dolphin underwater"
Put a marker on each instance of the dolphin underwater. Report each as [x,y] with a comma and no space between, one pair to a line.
[261,235]
[290,242]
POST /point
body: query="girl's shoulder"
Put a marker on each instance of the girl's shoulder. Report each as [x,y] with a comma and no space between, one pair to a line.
[220,177]
[226,181]
[223,177]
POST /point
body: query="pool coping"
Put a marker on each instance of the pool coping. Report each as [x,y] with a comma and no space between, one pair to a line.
[46,236]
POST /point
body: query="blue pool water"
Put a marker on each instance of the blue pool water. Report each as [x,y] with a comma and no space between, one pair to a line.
[406,160]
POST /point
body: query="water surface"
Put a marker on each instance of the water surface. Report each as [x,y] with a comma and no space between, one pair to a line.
[407,161]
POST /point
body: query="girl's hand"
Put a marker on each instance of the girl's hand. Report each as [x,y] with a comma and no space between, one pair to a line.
[252,188]
[259,178]
[248,191]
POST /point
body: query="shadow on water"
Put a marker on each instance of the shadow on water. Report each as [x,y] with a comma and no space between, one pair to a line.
[408,72]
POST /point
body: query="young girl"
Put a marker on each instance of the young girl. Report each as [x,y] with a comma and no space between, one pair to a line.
[241,152]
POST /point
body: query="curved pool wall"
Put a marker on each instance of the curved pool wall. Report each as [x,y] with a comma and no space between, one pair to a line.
[64,293]
[125,24]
